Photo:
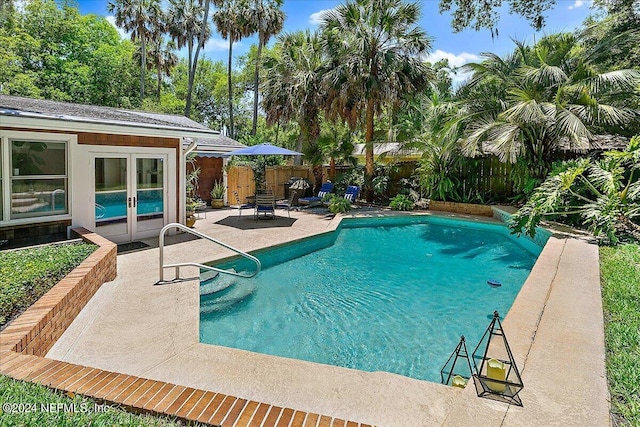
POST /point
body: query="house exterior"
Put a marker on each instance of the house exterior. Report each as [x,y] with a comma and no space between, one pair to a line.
[117,172]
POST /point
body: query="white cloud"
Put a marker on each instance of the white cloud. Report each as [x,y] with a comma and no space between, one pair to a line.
[315,18]
[455,61]
[216,44]
[577,4]
[123,34]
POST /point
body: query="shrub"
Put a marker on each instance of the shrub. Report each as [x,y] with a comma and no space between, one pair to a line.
[401,203]
[339,204]
[27,274]
[604,195]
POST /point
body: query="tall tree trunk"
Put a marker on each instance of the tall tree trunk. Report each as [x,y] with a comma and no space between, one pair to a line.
[143,62]
[297,160]
[187,107]
[231,132]
[368,140]
[159,80]
[256,82]
[332,169]
[192,73]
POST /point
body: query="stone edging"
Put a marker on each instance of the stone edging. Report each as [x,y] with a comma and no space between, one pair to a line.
[461,208]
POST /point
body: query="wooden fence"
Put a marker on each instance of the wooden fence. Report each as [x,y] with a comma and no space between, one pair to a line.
[485,176]
[241,179]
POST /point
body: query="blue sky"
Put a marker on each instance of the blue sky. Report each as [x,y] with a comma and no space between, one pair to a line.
[458,48]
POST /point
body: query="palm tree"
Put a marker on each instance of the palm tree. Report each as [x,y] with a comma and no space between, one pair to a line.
[267,20]
[139,17]
[188,27]
[232,20]
[375,49]
[163,59]
[554,97]
[292,86]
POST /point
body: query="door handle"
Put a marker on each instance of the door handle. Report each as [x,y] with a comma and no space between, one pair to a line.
[129,201]
[134,202]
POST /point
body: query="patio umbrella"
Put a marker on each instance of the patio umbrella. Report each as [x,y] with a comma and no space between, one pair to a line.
[264,149]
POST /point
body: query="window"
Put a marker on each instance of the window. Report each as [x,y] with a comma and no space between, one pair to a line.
[38,175]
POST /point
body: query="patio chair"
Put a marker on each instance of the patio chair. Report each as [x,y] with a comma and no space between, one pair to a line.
[352,193]
[326,188]
[287,204]
[265,205]
[242,206]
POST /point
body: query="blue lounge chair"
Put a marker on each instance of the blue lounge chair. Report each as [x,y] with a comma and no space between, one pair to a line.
[326,188]
[352,193]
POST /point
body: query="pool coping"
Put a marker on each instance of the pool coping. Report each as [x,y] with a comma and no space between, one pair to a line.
[520,330]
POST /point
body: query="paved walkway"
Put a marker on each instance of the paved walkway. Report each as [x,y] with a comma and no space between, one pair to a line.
[135,327]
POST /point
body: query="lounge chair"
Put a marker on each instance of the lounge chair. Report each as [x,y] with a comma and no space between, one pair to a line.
[242,206]
[287,204]
[265,205]
[352,193]
[326,188]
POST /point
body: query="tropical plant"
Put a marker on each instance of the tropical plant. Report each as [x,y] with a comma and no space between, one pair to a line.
[602,194]
[267,20]
[292,86]
[188,26]
[218,190]
[555,99]
[374,49]
[338,204]
[401,203]
[192,183]
[232,19]
[141,18]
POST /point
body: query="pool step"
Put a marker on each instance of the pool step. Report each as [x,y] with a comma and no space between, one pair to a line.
[237,291]
[212,282]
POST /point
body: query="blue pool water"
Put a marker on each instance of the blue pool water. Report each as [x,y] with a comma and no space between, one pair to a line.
[378,295]
[113,205]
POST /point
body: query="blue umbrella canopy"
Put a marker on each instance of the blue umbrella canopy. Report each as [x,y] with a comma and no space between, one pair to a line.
[264,149]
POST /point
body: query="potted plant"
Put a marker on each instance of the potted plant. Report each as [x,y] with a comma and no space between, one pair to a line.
[217,195]
[190,218]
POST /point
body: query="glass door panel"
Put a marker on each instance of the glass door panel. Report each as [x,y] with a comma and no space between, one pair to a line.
[111,197]
[150,200]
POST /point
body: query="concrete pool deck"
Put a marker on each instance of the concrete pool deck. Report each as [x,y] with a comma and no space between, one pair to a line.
[135,327]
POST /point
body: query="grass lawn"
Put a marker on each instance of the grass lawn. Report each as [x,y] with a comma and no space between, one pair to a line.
[620,269]
[25,276]
[63,410]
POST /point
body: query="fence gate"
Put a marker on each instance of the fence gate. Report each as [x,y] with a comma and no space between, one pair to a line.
[240,179]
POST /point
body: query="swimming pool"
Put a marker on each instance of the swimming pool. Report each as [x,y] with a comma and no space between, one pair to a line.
[383,294]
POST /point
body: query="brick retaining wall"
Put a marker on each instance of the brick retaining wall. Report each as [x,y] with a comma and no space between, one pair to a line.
[37,329]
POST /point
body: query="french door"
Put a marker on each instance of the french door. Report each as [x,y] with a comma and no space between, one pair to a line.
[130,193]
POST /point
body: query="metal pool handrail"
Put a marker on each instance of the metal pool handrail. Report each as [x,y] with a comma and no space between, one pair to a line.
[195,264]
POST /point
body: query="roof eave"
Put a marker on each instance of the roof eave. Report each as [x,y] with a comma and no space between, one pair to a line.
[92,125]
